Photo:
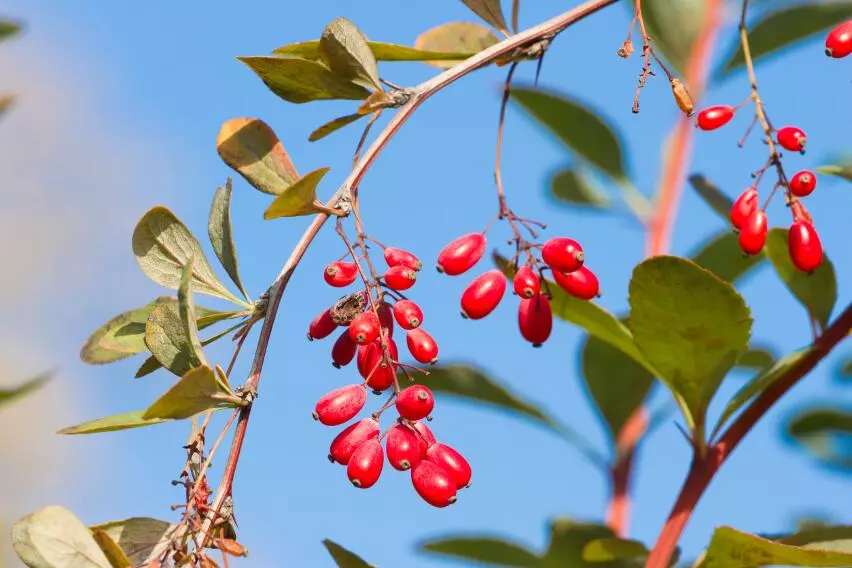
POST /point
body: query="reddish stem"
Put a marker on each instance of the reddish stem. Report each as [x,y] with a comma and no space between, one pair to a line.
[618,514]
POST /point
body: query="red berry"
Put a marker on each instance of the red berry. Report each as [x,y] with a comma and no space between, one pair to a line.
[792,138]
[403,447]
[399,257]
[345,443]
[400,277]
[380,375]
[452,462]
[386,317]
[535,319]
[461,254]
[838,43]
[526,282]
[802,183]
[753,234]
[365,465]
[715,117]
[744,206]
[340,405]
[434,485]
[364,328]
[408,314]
[340,274]
[415,402]
[322,326]
[343,351]
[421,345]
[804,245]
[483,294]
[582,284]
[424,435]
[563,254]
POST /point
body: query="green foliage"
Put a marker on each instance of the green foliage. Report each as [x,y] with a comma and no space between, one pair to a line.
[575,187]
[343,557]
[167,339]
[490,11]
[53,537]
[844,171]
[251,148]
[24,389]
[609,549]
[221,235]
[198,390]
[113,552]
[333,126]
[483,550]
[712,195]
[759,358]
[113,423]
[298,199]
[9,29]
[298,80]
[455,37]
[722,256]
[731,548]
[674,25]
[142,539]
[343,48]
[381,51]
[824,433]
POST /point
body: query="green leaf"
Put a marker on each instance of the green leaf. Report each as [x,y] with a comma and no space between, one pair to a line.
[567,541]
[221,235]
[9,29]
[674,26]
[333,126]
[844,171]
[758,358]
[482,549]
[299,199]
[143,539]
[163,245]
[22,390]
[825,433]
[730,548]
[817,292]
[198,390]
[723,256]
[381,51]
[785,27]
[823,536]
[298,80]
[167,339]
[465,38]
[113,552]
[574,187]
[251,148]
[343,48]
[113,423]
[186,309]
[151,364]
[490,11]
[713,196]
[581,129]
[120,337]
[691,326]
[53,537]
[343,557]
[609,549]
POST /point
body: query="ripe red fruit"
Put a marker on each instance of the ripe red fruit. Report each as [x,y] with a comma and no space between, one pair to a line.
[582,284]
[365,465]
[535,319]
[483,294]
[715,117]
[434,485]
[805,247]
[424,435]
[452,462]
[345,443]
[403,447]
[343,351]
[322,326]
[400,277]
[340,405]
[792,138]
[461,254]
[753,233]
[744,206]
[421,345]
[838,42]
[408,314]
[364,328]
[380,375]
[399,257]
[563,254]
[386,317]
[340,274]
[526,282]
[802,183]
[415,402]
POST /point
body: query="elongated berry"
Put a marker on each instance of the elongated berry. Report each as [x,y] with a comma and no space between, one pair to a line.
[415,402]
[399,257]
[792,138]
[838,42]
[365,465]
[343,350]
[386,317]
[802,183]
[805,247]
[563,254]
[743,207]
[348,440]
[421,345]
[526,282]
[452,462]
[340,274]
[461,254]
[403,447]
[407,314]
[340,405]
[322,326]
[400,277]
[434,484]
[380,374]
[582,283]
[535,319]
[753,234]
[424,435]
[483,294]
[364,328]
[715,117]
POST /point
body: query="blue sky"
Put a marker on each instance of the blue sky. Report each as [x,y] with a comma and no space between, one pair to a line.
[155,81]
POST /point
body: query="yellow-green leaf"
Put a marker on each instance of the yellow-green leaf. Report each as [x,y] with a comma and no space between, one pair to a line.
[730,548]
[343,48]
[843,171]
[198,390]
[142,538]
[53,537]
[613,548]
[186,309]
[113,552]
[381,51]
[483,550]
[113,423]
[151,364]
[490,11]
[345,558]
[221,234]
[251,148]
[574,187]
[22,390]
[299,199]
[298,80]
[333,126]
[458,37]
[167,339]
[9,29]
[120,337]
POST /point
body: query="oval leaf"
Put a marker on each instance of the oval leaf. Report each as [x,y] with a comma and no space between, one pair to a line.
[198,390]
[568,538]
[730,548]
[113,423]
[344,49]
[723,256]
[53,537]
[298,80]
[483,549]
[758,358]
[143,539]
[151,364]
[221,235]
[825,433]
[120,337]
[713,196]
[167,339]
[381,51]
[343,557]
[490,11]
[573,187]
[609,549]
[251,148]
[299,199]
[455,37]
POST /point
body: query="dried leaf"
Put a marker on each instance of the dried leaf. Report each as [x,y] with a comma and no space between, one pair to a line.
[461,37]
[142,538]
[53,537]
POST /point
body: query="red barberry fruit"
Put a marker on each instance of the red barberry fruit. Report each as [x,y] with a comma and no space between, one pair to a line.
[400,277]
[838,42]
[421,345]
[403,447]
[483,294]
[802,183]
[379,373]
[526,282]
[753,233]
[461,254]
[563,254]
[364,328]
[535,319]
[715,117]
[452,462]
[340,274]
[582,284]
[792,138]
[434,484]
[805,247]
[365,465]
[340,405]
[385,311]
[348,440]
[399,257]
[424,435]
[322,326]
[343,351]
[408,314]
[744,206]
[415,402]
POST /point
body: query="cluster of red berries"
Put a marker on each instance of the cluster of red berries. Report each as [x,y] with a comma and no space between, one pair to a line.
[838,43]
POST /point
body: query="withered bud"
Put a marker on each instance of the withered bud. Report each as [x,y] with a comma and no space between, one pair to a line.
[682,97]
[626,49]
